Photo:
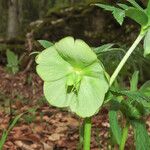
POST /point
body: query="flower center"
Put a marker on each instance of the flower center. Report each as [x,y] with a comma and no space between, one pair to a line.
[78,71]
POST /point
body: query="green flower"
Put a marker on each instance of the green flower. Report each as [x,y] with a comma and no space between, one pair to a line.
[73,76]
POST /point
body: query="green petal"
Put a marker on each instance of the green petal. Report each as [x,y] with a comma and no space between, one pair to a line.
[72,98]
[94,70]
[51,66]
[55,93]
[91,96]
[76,52]
[53,72]
[48,56]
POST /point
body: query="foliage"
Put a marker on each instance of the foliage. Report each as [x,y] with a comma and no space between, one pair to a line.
[142,139]
[115,128]
[133,104]
[137,13]
[6,132]
[45,44]
[12,62]
[106,48]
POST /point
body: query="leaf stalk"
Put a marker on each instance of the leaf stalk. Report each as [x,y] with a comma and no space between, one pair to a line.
[125,58]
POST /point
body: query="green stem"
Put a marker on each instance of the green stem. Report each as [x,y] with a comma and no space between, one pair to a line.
[87,133]
[124,137]
[127,55]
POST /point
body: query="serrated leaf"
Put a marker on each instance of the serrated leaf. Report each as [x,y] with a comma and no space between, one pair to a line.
[137,15]
[131,109]
[114,125]
[45,44]
[147,43]
[123,6]
[134,81]
[118,13]
[133,95]
[106,7]
[145,88]
[142,139]
[136,5]
[103,48]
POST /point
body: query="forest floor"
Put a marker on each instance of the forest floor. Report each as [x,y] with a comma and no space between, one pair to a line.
[44,127]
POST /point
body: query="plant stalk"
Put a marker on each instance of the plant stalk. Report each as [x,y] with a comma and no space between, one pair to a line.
[87,133]
[124,137]
[124,59]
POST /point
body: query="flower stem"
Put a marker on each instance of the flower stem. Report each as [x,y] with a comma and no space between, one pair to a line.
[127,55]
[124,137]
[87,133]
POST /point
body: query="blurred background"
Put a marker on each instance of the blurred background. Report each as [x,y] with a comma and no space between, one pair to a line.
[22,24]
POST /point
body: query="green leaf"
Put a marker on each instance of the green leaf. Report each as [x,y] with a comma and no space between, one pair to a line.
[51,66]
[134,81]
[103,48]
[114,125]
[137,15]
[5,133]
[45,44]
[145,88]
[148,9]
[76,52]
[147,43]
[136,5]
[118,13]
[134,96]
[90,96]
[12,58]
[142,140]
[131,109]
[106,7]
[123,6]
[12,61]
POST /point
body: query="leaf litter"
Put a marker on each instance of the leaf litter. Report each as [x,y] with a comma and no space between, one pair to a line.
[45,127]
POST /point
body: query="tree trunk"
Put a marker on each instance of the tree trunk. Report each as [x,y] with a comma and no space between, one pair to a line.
[20,13]
[13,19]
